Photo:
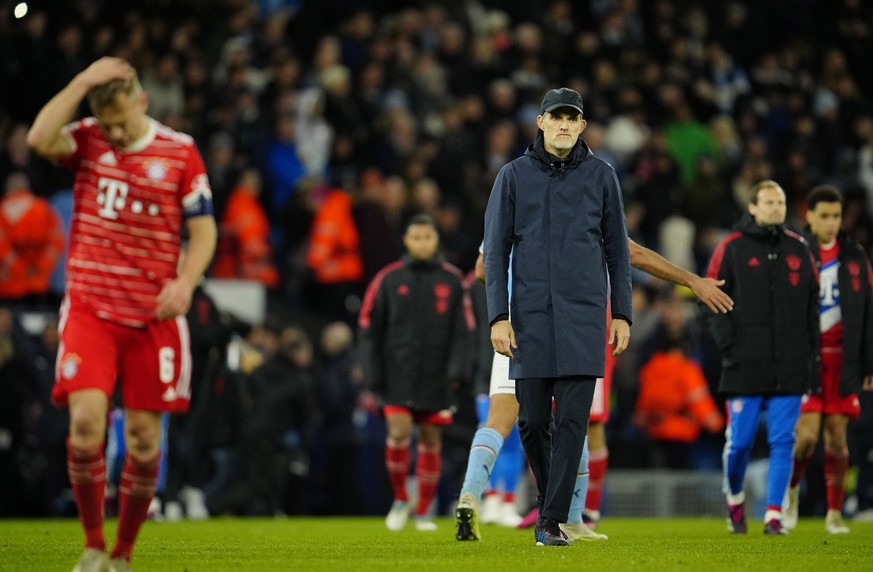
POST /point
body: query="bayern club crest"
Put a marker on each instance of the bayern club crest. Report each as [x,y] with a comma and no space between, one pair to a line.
[70,365]
[854,268]
[156,170]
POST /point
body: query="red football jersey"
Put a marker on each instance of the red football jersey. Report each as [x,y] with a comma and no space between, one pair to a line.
[128,207]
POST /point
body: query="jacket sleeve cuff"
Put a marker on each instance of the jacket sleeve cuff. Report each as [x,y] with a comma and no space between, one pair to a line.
[622,317]
[499,318]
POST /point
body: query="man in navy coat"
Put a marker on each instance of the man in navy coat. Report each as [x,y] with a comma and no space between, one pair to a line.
[560,208]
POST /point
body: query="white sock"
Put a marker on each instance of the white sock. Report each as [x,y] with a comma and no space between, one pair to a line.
[738,498]
[771,514]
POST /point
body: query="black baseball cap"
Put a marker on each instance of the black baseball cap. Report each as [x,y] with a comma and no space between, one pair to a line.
[561,97]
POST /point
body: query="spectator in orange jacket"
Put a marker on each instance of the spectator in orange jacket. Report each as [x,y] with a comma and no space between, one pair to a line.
[334,257]
[244,235]
[31,240]
[674,402]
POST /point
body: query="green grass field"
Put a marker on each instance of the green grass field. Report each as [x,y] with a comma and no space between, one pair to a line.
[363,544]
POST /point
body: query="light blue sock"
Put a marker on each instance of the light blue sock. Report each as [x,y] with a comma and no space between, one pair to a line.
[509,464]
[580,490]
[486,445]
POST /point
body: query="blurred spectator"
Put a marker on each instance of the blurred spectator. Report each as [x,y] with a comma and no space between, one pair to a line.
[18,393]
[314,134]
[375,220]
[674,402]
[658,189]
[278,430]
[166,87]
[244,235]
[31,240]
[16,156]
[284,168]
[221,168]
[188,436]
[334,257]
[339,381]
[687,140]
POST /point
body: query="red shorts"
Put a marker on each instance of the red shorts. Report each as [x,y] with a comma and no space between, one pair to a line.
[442,417]
[600,404]
[153,364]
[829,401]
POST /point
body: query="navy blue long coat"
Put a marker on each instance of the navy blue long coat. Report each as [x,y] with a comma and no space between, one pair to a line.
[565,220]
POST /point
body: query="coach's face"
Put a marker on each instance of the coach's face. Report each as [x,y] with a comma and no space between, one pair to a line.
[124,120]
[561,128]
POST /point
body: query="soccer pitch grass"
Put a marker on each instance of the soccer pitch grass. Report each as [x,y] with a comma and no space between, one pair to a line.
[363,544]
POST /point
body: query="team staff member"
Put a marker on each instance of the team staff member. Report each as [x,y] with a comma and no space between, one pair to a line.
[846,317]
[503,407]
[416,327]
[558,209]
[769,344]
[137,184]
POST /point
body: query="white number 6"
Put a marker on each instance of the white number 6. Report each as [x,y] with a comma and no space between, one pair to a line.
[166,364]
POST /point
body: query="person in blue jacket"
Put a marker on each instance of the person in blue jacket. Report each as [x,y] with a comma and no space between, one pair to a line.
[558,208]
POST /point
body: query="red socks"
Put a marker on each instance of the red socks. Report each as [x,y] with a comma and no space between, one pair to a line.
[799,469]
[835,467]
[397,462]
[135,492]
[87,470]
[597,463]
[427,469]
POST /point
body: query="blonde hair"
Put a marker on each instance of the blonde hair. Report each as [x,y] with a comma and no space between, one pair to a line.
[765,184]
[104,94]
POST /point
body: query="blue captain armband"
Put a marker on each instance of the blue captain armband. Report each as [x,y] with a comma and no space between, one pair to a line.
[199,201]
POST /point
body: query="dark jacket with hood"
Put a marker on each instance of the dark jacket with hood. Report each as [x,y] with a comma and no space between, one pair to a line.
[770,340]
[565,220]
[855,286]
[415,329]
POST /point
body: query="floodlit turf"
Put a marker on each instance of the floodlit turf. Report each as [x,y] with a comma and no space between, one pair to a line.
[363,544]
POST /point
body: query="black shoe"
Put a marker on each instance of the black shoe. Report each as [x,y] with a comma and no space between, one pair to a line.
[548,533]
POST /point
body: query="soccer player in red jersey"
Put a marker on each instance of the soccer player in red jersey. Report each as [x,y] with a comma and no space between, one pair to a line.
[846,319]
[137,184]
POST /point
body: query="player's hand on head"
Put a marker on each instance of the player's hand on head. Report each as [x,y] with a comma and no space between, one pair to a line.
[173,300]
[106,69]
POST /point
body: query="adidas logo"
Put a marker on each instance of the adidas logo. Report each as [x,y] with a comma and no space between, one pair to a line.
[754,262]
[107,158]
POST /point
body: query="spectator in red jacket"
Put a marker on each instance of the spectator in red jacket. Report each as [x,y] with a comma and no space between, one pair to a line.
[31,240]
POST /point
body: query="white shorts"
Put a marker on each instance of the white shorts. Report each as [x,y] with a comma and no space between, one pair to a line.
[502,385]
[500,382]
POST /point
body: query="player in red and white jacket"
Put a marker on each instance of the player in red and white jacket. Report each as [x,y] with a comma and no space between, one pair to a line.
[137,185]
[846,324]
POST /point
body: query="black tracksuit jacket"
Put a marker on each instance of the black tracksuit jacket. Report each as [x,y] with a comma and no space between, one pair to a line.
[415,333]
[770,341]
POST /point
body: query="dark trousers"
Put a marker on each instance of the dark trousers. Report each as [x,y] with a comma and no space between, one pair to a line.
[554,459]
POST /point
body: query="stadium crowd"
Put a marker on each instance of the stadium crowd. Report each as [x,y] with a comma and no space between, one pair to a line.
[325,125]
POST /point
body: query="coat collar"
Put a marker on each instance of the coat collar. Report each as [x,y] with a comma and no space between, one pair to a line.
[538,151]
[748,226]
[411,262]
